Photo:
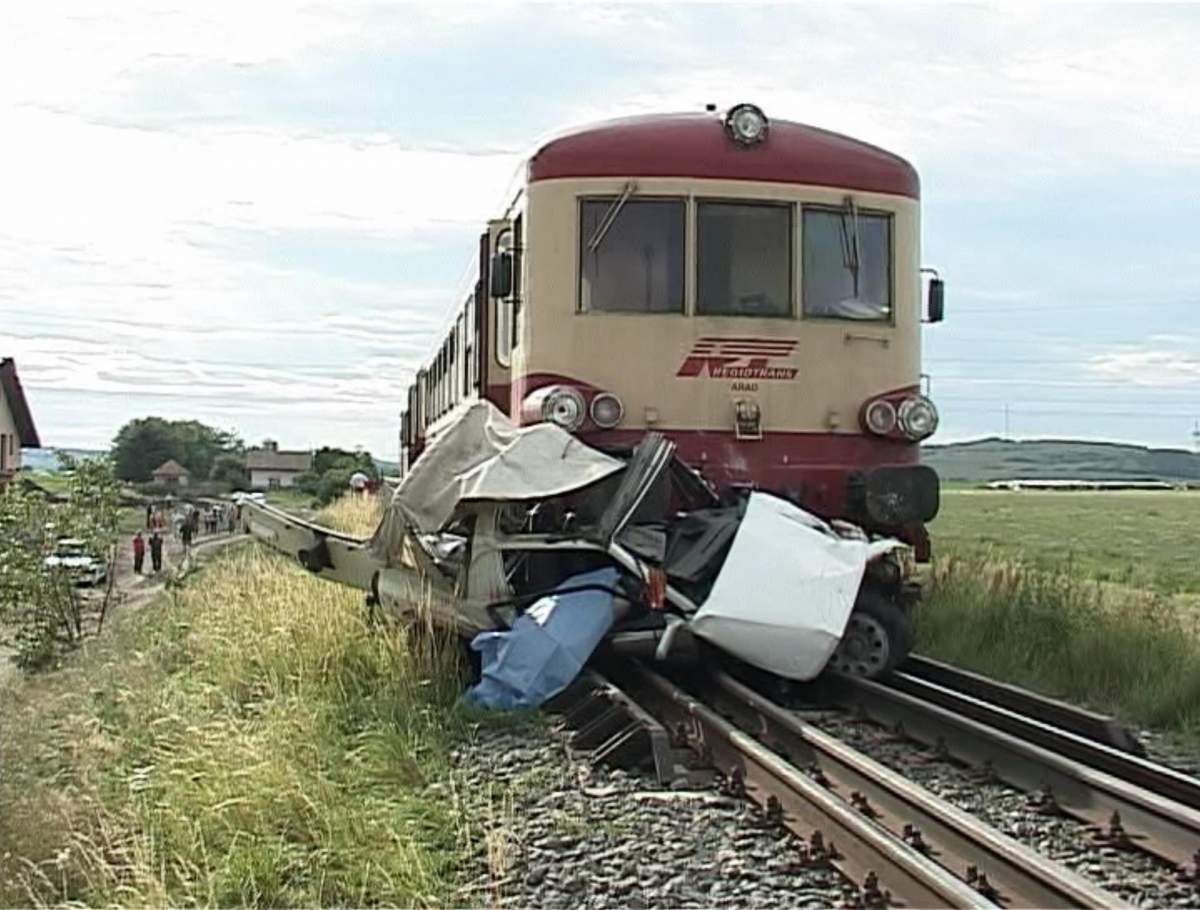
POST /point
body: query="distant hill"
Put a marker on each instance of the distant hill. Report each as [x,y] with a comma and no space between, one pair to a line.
[1058,459]
[47,460]
[387,468]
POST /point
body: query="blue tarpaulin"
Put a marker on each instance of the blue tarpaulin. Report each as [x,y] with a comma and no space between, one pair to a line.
[547,646]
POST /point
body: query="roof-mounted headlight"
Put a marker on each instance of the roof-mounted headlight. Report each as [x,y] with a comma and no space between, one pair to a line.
[917,416]
[746,124]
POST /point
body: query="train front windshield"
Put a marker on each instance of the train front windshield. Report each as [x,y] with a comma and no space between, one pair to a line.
[632,255]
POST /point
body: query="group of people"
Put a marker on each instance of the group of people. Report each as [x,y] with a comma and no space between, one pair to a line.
[141,544]
[187,526]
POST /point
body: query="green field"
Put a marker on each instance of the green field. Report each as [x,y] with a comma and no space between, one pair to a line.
[1091,597]
[1141,539]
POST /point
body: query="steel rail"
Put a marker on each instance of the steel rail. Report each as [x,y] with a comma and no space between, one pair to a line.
[887,868]
[1088,724]
[1168,782]
[1012,873]
[1125,814]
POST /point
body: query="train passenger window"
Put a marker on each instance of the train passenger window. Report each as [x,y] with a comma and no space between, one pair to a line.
[634,263]
[743,259]
[847,265]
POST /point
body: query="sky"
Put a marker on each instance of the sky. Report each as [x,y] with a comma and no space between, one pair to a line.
[259,215]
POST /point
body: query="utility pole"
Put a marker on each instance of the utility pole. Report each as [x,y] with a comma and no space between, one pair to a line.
[1196,437]
[1006,422]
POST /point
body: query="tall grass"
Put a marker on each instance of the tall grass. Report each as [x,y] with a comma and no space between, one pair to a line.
[1137,656]
[253,741]
[353,513]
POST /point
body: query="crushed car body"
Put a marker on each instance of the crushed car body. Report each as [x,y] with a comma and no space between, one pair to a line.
[540,547]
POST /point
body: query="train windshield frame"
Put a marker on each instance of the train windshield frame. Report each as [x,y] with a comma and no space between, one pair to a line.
[638,264]
[847,263]
[744,253]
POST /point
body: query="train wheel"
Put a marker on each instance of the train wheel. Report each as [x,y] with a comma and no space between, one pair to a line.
[878,637]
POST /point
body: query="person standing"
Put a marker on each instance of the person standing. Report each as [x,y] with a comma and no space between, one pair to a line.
[185,534]
[149,513]
[156,544]
[139,552]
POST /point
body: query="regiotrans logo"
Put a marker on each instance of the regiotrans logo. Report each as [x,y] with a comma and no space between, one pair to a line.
[739,358]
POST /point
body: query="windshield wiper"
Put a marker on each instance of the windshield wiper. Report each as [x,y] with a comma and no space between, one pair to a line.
[851,253]
[610,216]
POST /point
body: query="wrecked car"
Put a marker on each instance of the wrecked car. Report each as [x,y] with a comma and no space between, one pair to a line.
[538,547]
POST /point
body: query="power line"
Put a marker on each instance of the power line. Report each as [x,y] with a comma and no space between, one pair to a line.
[990,406]
[1038,402]
[1003,308]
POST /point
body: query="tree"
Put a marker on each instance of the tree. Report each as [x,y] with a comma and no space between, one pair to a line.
[41,610]
[143,444]
[331,469]
[231,469]
[328,457]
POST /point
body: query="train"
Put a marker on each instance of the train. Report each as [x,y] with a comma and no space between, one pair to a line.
[749,287]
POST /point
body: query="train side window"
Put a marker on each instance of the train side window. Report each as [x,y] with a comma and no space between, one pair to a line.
[631,255]
[847,263]
[743,259]
[462,373]
[518,252]
[502,333]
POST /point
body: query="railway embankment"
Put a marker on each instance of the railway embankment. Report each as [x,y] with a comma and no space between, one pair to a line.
[248,738]
[251,737]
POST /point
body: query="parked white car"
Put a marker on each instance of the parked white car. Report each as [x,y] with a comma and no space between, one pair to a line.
[72,555]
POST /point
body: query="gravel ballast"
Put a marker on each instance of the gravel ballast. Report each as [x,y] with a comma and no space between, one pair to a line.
[548,829]
[552,831]
[1136,877]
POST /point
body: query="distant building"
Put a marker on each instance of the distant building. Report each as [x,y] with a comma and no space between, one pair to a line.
[271,468]
[170,474]
[16,422]
[1083,485]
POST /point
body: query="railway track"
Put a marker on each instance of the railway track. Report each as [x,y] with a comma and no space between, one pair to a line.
[1132,802]
[1071,718]
[900,843]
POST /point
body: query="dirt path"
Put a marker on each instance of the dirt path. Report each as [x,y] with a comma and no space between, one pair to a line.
[132,591]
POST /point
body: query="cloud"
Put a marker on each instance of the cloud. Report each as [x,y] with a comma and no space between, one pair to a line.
[265,213]
[1153,367]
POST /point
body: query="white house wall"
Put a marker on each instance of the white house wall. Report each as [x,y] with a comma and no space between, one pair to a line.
[260,478]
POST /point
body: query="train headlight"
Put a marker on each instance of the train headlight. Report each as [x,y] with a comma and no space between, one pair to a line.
[564,406]
[918,417]
[607,410]
[880,417]
[746,124]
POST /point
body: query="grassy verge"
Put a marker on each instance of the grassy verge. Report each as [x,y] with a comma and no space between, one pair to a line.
[290,499]
[358,515]
[249,740]
[1136,656]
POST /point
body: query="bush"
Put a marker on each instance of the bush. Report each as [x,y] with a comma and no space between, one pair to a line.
[330,475]
[41,610]
[1136,654]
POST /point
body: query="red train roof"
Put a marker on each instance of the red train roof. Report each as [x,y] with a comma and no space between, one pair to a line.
[696,145]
